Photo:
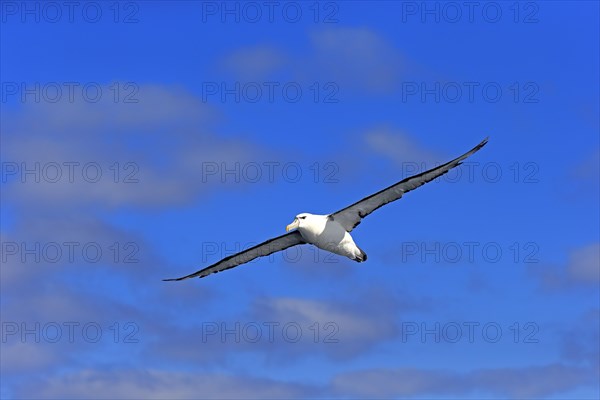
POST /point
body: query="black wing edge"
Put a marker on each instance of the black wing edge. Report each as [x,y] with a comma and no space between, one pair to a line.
[459,159]
[199,273]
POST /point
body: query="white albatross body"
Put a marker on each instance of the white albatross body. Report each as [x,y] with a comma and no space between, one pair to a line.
[332,232]
[327,234]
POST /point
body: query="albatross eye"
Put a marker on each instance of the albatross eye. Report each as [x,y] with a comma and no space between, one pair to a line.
[303,217]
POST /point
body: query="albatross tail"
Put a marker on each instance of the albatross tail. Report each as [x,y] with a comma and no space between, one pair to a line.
[362,256]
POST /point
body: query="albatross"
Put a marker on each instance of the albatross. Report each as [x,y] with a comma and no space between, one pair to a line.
[332,232]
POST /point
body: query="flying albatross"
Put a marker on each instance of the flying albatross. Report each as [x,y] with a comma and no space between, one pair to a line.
[332,232]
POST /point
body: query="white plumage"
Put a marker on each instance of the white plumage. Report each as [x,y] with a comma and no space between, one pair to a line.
[328,234]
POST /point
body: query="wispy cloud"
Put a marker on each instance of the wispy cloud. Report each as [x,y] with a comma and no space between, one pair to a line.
[345,328]
[357,58]
[584,265]
[581,341]
[91,143]
[160,384]
[280,329]
[354,58]
[398,146]
[581,271]
[255,63]
[527,382]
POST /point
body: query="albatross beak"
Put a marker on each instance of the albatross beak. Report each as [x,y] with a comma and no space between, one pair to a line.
[293,225]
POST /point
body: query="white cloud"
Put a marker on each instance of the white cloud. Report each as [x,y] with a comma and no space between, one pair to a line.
[520,383]
[398,146]
[255,63]
[357,57]
[526,382]
[25,356]
[159,143]
[352,58]
[581,339]
[340,329]
[361,326]
[581,271]
[584,264]
[347,327]
[157,384]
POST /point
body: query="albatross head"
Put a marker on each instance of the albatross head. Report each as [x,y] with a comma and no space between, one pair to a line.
[299,222]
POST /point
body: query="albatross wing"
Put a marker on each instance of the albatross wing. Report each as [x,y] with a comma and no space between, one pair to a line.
[351,216]
[264,249]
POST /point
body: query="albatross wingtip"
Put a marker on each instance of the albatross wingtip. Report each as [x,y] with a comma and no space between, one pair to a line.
[481,144]
[195,275]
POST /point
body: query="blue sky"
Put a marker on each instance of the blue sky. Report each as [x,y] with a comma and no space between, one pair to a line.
[146,140]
